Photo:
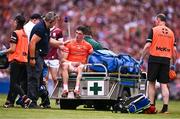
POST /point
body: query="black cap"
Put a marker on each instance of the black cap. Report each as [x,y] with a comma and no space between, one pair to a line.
[35,16]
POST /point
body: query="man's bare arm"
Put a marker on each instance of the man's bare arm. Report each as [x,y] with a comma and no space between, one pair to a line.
[32,44]
[174,55]
[10,50]
[55,43]
[145,50]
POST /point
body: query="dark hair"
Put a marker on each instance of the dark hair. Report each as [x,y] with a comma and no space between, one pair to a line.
[162,17]
[20,19]
[86,30]
[35,16]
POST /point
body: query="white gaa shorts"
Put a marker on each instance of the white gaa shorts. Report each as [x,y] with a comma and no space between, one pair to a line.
[52,63]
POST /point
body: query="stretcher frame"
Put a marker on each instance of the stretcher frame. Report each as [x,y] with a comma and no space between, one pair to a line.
[114,85]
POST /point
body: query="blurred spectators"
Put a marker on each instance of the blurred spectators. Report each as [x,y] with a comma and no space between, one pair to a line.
[120,25]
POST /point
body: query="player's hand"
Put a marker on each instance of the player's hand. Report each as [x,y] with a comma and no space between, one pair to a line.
[2,52]
[141,62]
[67,41]
[173,67]
[61,47]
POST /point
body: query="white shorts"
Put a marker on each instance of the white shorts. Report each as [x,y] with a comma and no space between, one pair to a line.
[52,63]
[73,66]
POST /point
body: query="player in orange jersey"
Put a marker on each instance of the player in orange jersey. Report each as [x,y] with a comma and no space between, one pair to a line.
[75,56]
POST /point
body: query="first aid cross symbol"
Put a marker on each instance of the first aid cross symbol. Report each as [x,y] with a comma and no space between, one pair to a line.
[95,89]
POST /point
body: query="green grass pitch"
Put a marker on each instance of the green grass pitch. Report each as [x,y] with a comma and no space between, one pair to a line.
[82,113]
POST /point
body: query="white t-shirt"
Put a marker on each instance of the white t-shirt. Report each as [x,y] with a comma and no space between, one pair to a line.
[27,28]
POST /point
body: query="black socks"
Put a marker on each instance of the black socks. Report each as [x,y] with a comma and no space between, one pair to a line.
[165,108]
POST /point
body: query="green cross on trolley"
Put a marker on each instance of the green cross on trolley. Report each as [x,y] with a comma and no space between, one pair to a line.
[95,89]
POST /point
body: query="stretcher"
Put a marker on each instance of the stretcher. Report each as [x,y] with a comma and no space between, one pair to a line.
[100,90]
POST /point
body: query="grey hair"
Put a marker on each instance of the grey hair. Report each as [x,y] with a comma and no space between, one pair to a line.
[50,16]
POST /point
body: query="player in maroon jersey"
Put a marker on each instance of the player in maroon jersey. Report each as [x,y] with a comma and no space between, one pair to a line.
[52,60]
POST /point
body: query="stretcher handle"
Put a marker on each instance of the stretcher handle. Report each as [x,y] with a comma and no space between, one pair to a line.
[120,74]
[96,64]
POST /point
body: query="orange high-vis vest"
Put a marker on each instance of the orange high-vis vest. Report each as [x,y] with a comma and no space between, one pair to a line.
[162,42]
[21,51]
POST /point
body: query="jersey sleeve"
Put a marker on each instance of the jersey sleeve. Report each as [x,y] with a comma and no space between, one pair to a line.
[150,36]
[14,38]
[90,49]
[38,32]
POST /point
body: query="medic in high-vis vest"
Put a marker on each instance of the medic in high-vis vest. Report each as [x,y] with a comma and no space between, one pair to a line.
[161,46]
[17,57]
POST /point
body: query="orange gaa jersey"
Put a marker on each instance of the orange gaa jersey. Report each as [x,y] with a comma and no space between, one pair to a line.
[78,52]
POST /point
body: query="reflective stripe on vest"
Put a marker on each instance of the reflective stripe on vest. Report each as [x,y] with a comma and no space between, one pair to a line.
[162,42]
[21,51]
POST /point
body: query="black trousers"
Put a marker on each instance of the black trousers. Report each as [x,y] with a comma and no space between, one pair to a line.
[35,80]
[18,80]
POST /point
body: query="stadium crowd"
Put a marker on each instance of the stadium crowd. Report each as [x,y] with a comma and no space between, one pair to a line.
[119,25]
